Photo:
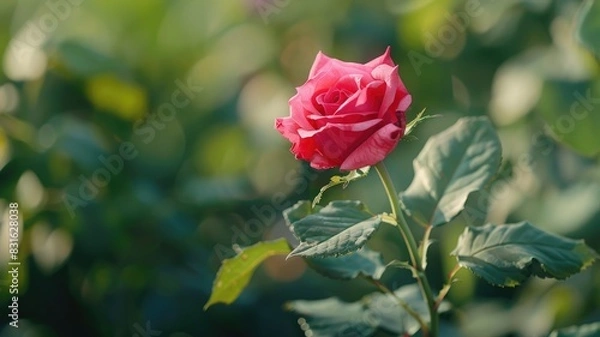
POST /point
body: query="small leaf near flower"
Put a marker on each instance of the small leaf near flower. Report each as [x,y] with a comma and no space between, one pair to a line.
[410,127]
[337,180]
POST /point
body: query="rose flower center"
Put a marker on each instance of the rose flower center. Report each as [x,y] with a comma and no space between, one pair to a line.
[327,101]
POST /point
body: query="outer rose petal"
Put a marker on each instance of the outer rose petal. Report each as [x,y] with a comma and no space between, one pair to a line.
[374,149]
[405,102]
[326,64]
[336,141]
[287,128]
[298,112]
[383,59]
[302,148]
[321,62]
[390,76]
[320,162]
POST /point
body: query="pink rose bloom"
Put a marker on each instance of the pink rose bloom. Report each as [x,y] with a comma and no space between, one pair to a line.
[347,115]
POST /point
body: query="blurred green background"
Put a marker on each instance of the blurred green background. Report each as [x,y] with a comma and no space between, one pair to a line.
[137,138]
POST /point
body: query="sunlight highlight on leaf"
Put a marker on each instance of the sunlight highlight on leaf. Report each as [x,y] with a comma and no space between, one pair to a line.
[235,273]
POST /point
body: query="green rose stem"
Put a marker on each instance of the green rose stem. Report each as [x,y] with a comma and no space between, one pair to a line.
[413,250]
[446,288]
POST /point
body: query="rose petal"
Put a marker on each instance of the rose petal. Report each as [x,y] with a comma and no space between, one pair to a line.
[350,83]
[321,83]
[374,149]
[302,148]
[390,76]
[288,128]
[321,163]
[326,64]
[365,100]
[330,101]
[405,102]
[401,117]
[385,58]
[320,121]
[299,109]
[351,127]
[321,61]
[335,141]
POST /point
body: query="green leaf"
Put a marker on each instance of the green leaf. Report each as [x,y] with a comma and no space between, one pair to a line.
[391,316]
[587,330]
[333,318]
[588,25]
[384,309]
[363,262]
[235,273]
[337,180]
[297,212]
[339,228]
[452,164]
[506,255]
